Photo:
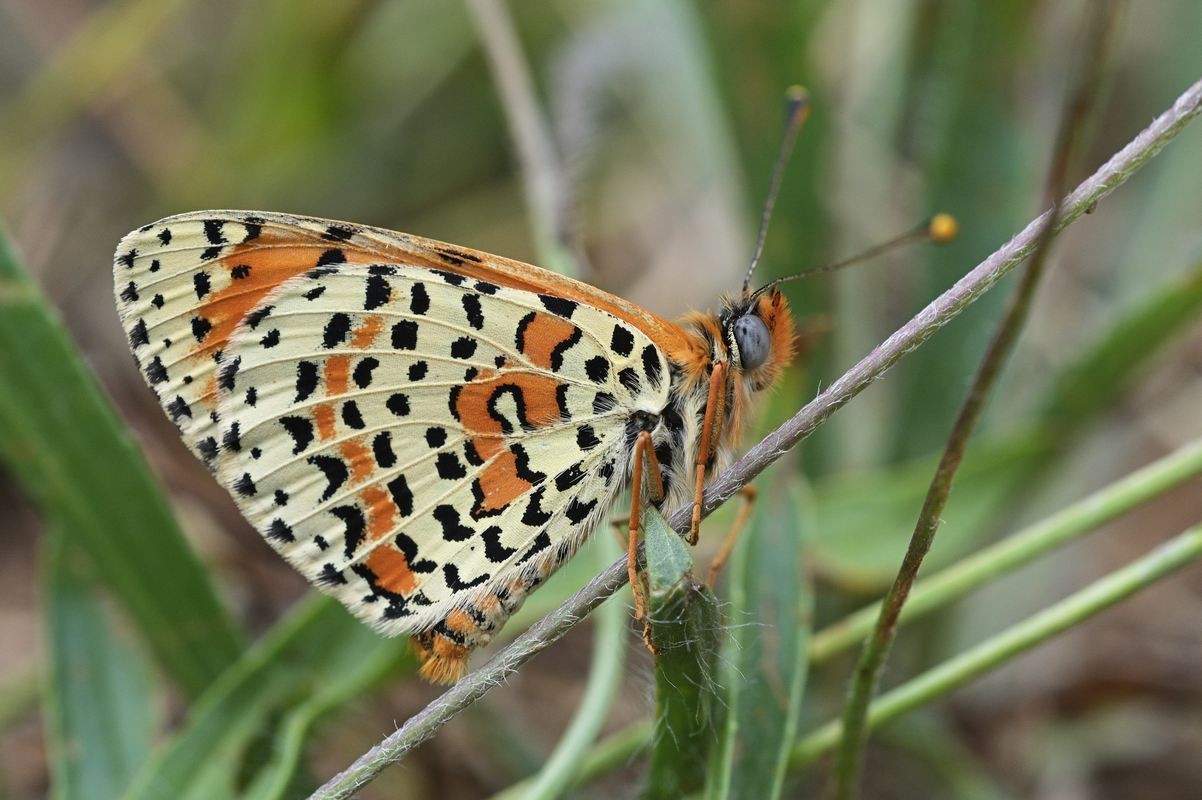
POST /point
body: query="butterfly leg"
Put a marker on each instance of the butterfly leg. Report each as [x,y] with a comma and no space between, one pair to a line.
[748,495]
[711,429]
[644,459]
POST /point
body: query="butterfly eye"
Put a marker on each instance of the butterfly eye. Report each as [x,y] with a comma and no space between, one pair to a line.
[753,339]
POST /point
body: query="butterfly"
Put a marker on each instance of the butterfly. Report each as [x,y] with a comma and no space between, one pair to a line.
[425,431]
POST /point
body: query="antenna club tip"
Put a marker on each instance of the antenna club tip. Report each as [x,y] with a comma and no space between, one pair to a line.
[942,228]
[797,98]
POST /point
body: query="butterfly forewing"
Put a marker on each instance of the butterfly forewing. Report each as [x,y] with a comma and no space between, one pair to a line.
[406,432]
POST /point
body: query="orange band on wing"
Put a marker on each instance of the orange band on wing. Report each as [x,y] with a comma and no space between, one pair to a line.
[391,569]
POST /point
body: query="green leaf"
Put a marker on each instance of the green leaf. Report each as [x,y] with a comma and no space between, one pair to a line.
[60,437]
[317,659]
[763,679]
[98,695]
[686,627]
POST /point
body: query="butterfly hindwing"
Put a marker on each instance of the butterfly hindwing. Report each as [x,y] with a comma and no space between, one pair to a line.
[406,436]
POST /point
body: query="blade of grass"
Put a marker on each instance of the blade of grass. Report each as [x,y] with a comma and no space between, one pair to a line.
[61,438]
[687,630]
[764,674]
[314,660]
[1101,183]
[849,760]
[1179,552]
[98,694]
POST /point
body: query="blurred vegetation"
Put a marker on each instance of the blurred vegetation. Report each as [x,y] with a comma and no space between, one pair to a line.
[175,654]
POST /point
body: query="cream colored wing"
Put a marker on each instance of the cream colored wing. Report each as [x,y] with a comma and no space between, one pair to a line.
[406,437]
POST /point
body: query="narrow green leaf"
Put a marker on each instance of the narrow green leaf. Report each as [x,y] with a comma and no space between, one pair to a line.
[98,694]
[687,629]
[60,437]
[315,660]
[763,679]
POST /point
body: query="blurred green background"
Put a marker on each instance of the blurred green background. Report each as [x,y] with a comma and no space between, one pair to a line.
[667,116]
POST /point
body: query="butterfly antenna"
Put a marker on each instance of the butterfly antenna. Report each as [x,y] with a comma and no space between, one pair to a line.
[798,107]
[939,229]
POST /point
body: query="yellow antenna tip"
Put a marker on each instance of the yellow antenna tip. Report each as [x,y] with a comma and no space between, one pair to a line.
[797,94]
[942,228]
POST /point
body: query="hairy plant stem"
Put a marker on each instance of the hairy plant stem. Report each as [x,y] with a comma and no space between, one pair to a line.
[939,312]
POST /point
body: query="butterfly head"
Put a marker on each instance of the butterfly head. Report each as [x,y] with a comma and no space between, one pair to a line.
[757,336]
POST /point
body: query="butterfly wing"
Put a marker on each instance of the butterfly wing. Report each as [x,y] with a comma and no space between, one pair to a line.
[422,439]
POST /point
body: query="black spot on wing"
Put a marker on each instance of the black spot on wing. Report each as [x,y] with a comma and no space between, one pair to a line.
[227,375]
[452,530]
[165,237]
[577,511]
[245,486]
[464,347]
[629,377]
[651,365]
[240,272]
[335,472]
[417,370]
[519,338]
[352,417]
[355,525]
[494,551]
[130,293]
[155,371]
[404,335]
[301,431]
[586,438]
[271,339]
[558,305]
[377,292]
[436,437]
[213,232]
[158,301]
[255,318]
[338,233]
[449,467]
[540,543]
[484,287]
[419,302]
[139,335]
[398,404]
[337,329]
[398,489]
[534,515]
[306,379]
[471,307]
[569,477]
[597,369]
[381,448]
[521,466]
[232,439]
[200,283]
[362,372]
[331,256]
[451,574]
[557,352]
[279,531]
[622,341]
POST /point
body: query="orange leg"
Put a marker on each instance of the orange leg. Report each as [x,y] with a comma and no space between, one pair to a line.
[748,494]
[711,429]
[644,454]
